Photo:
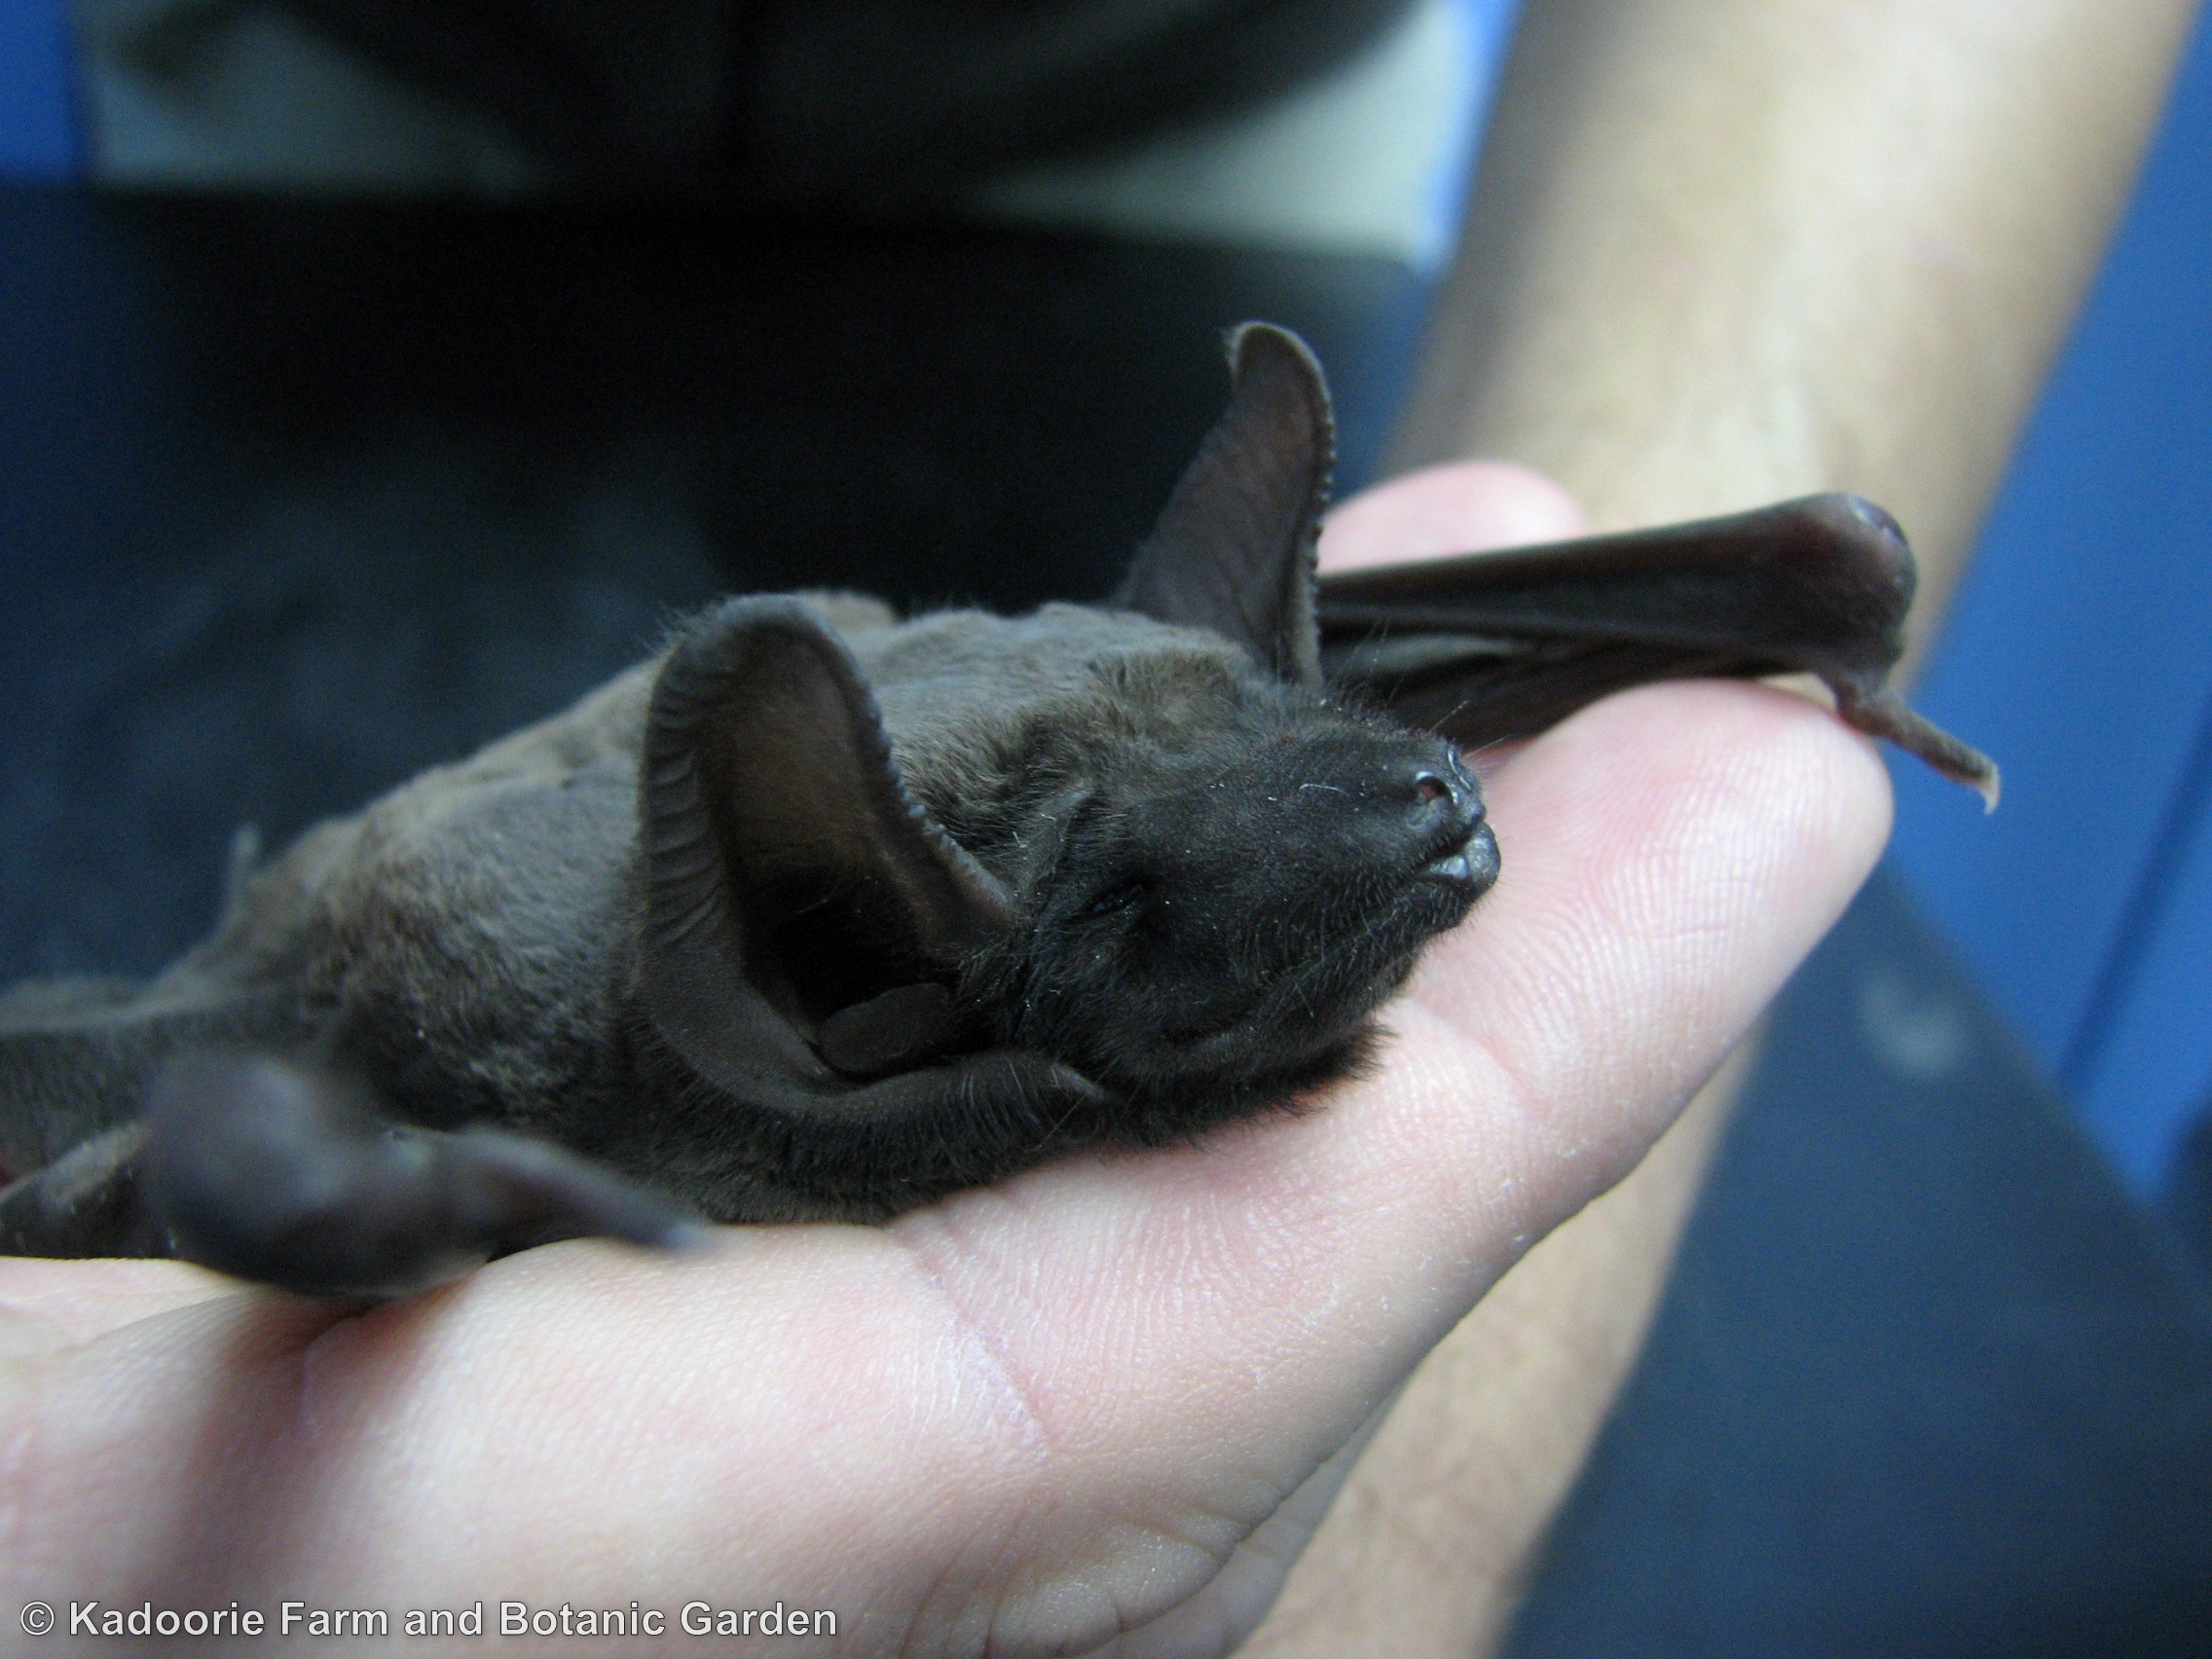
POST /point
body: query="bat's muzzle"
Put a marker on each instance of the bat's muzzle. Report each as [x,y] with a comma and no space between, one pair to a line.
[1469,868]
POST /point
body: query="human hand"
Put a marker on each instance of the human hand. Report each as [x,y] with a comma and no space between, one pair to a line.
[1104,1402]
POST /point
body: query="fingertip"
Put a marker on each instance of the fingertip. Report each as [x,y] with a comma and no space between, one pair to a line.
[1466,506]
[1656,825]
[1835,771]
[1764,756]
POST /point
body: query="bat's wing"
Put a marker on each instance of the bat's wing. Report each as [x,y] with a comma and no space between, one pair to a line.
[1495,646]
[288,1173]
[1487,646]
[75,1053]
[83,1203]
[278,1170]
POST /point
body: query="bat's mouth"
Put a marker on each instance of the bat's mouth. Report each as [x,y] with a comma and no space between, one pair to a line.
[1335,988]
[1467,869]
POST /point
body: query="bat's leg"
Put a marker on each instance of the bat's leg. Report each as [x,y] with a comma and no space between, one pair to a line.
[83,1203]
[290,1175]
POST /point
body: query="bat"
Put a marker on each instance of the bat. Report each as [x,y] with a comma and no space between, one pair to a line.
[822,914]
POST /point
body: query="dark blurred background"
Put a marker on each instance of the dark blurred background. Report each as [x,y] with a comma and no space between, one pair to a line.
[302,491]
[304,497]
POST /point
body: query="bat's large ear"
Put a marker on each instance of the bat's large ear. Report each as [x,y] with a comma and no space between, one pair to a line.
[1233,550]
[789,874]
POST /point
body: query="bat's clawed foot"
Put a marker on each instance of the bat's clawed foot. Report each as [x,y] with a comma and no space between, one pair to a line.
[289,1173]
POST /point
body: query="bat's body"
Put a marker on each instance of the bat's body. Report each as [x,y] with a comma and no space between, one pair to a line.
[820,915]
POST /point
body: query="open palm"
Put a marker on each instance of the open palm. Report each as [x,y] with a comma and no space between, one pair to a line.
[1102,1403]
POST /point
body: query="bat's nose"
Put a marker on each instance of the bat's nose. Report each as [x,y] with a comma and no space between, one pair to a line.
[1446,801]
[1446,816]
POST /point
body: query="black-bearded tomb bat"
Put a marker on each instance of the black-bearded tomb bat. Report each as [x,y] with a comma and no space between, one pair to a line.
[823,915]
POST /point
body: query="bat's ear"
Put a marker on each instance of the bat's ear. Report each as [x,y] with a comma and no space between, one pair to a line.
[788,872]
[1233,550]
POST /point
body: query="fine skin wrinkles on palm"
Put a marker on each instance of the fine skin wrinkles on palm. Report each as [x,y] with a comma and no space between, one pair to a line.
[1099,1375]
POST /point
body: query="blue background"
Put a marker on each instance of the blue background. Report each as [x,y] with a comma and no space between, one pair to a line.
[2080,653]
[37,127]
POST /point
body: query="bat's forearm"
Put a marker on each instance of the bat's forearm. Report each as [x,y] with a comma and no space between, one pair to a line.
[1728,250]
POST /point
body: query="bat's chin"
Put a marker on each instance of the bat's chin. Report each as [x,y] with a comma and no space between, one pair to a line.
[1304,1021]
[1207,987]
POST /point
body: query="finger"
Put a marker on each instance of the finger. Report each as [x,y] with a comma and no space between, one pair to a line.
[48,1305]
[1465,507]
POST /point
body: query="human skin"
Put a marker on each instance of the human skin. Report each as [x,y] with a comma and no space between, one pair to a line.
[1101,1403]
[1721,252]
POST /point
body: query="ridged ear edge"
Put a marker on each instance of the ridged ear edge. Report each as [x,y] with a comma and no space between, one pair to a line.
[1233,550]
[765,760]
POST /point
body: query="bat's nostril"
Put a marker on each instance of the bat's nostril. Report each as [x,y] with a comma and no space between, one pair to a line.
[1444,820]
[1442,795]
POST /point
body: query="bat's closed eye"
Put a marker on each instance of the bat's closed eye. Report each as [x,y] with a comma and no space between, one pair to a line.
[1124,894]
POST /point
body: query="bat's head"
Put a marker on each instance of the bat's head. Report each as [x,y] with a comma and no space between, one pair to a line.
[1217,876]
[1141,840]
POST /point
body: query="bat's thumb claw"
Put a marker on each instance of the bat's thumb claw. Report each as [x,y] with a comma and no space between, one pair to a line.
[1884,713]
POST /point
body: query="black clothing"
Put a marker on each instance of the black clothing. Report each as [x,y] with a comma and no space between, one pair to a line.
[840,100]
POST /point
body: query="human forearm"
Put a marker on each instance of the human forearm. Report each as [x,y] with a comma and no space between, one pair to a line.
[1727,250]
[1721,251]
